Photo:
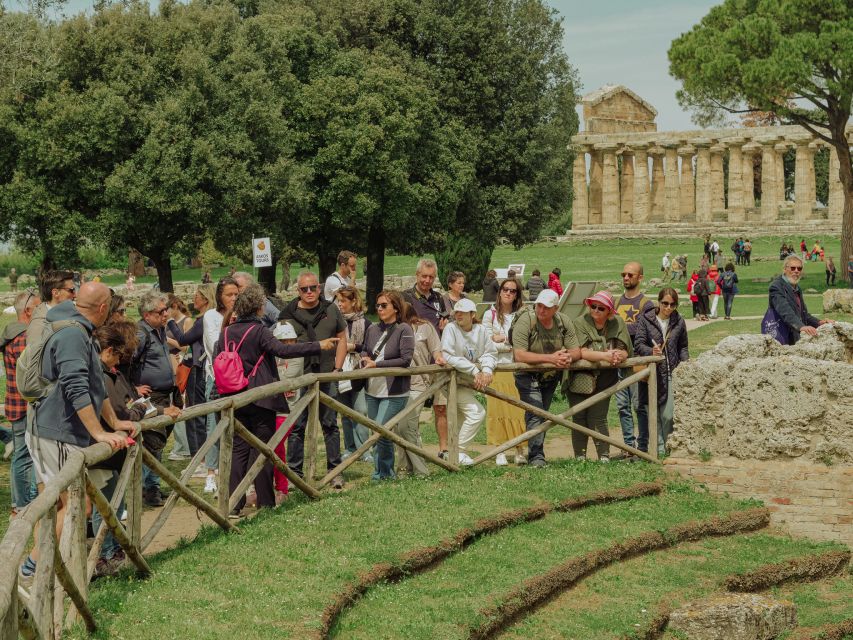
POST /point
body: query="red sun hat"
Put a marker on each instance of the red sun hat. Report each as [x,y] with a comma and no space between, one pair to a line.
[604,299]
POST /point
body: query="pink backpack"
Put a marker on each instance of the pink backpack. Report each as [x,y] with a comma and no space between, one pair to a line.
[228,366]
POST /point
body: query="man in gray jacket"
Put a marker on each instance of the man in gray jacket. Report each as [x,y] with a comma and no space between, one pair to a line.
[67,418]
[152,373]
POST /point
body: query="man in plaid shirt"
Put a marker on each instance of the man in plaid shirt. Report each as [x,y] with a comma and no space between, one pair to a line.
[13,342]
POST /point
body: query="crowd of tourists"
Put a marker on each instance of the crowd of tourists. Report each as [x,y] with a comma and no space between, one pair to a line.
[100,373]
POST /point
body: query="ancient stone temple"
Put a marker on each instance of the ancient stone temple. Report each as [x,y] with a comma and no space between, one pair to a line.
[629,177]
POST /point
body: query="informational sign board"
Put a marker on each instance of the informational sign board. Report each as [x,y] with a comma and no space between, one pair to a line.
[261,252]
[571,302]
[518,268]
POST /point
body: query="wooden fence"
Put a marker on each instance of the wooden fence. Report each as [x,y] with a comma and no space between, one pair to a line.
[58,596]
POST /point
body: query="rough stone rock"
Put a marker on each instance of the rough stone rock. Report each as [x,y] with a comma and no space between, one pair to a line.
[734,617]
[838,300]
[752,398]
[655,283]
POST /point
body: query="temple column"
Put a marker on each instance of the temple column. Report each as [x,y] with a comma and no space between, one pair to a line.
[686,190]
[735,208]
[804,194]
[641,184]
[595,187]
[671,204]
[703,180]
[781,149]
[748,151]
[609,184]
[626,187]
[718,190]
[836,193]
[769,203]
[658,189]
[580,202]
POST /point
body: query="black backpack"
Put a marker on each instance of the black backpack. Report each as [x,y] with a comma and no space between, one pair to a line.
[700,287]
[728,280]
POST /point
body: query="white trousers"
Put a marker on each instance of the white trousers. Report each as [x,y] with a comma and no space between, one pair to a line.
[714,300]
[470,414]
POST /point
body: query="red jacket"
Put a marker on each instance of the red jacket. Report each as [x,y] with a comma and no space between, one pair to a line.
[554,283]
[689,288]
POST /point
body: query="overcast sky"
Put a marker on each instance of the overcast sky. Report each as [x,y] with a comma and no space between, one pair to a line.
[614,42]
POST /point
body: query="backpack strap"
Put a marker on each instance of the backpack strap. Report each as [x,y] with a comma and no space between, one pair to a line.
[240,344]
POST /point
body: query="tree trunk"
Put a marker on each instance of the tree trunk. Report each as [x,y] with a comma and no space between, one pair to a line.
[285,275]
[375,264]
[266,276]
[325,262]
[163,263]
[845,174]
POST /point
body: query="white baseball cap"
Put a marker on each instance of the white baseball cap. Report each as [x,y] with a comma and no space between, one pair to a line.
[284,331]
[548,297]
[465,305]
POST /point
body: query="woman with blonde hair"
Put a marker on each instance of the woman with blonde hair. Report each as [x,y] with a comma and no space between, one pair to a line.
[504,422]
[351,393]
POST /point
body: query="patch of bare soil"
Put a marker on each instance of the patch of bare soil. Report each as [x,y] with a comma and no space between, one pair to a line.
[423,558]
[536,591]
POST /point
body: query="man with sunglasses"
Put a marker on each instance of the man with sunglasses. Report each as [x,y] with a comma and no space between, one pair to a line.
[632,304]
[56,287]
[13,342]
[786,299]
[314,319]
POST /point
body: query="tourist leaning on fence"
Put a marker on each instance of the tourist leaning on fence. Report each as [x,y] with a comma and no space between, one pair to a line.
[258,349]
[388,343]
[662,331]
[226,294]
[504,421]
[603,338]
[467,347]
[427,351]
[67,419]
[542,336]
[351,392]
[117,342]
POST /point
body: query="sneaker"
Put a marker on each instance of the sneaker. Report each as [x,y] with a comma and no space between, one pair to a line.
[367,457]
[465,459]
[210,484]
[500,460]
[27,573]
[177,456]
[538,463]
[443,454]
[520,459]
[152,497]
[345,455]
[201,472]
[251,497]
[338,482]
[235,514]
[604,459]
[123,516]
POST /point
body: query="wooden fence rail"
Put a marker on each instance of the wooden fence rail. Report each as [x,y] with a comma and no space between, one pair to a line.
[58,595]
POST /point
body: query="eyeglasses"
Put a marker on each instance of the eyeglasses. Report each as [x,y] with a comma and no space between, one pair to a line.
[121,311]
[664,303]
[630,275]
[70,290]
[511,290]
[383,305]
[30,295]
[792,268]
[309,288]
[595,307]
[161,312]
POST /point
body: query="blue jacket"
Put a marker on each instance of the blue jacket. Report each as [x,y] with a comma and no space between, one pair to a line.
[71,359]
[152,364]
[791,307]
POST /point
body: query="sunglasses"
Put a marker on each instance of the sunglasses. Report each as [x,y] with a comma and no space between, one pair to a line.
[630,275]
[162,311]
[309,288]
[663,303]
[800,268]
[510,290]
[595,307]
[70,290]
[383,305]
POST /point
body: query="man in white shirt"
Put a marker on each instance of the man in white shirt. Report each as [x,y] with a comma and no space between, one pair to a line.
[343,277]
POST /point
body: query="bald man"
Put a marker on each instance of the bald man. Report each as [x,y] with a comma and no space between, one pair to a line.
[67,417]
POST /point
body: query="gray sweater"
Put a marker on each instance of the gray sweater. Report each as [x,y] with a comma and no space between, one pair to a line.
[152,363]
[71,359]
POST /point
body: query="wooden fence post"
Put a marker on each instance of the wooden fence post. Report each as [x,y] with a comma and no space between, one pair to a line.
[42,593]
[73,544]
[312,433]
[134,497]
[226,449]
[9,622]
[653,411]
[452,420]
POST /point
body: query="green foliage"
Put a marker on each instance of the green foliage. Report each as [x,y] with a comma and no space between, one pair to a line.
[467,254]
[22,262]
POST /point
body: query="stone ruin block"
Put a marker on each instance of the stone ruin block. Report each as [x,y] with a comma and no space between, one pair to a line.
[734,616]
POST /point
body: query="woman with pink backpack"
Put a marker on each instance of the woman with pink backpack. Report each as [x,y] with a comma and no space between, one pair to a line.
[246,359]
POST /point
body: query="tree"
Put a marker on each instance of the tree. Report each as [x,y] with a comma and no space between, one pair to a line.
[793,58]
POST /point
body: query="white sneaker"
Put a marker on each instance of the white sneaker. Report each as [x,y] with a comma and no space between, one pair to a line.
[500,460]
[210,485]
[174,457]
[123,516]
[465,459]
[520,459]
[604,459]
[201,472]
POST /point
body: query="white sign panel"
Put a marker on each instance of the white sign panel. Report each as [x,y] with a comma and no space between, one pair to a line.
[261,252]
[518,268]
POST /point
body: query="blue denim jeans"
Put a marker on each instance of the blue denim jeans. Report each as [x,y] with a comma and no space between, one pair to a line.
[211,460]
[24,488]
[110,545]
[151,480]
[628,401]
[538,393]
[382,410]
[355,434]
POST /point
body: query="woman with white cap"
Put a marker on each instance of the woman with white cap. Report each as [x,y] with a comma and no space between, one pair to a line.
[604,338]
[468,348]
[504,422]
